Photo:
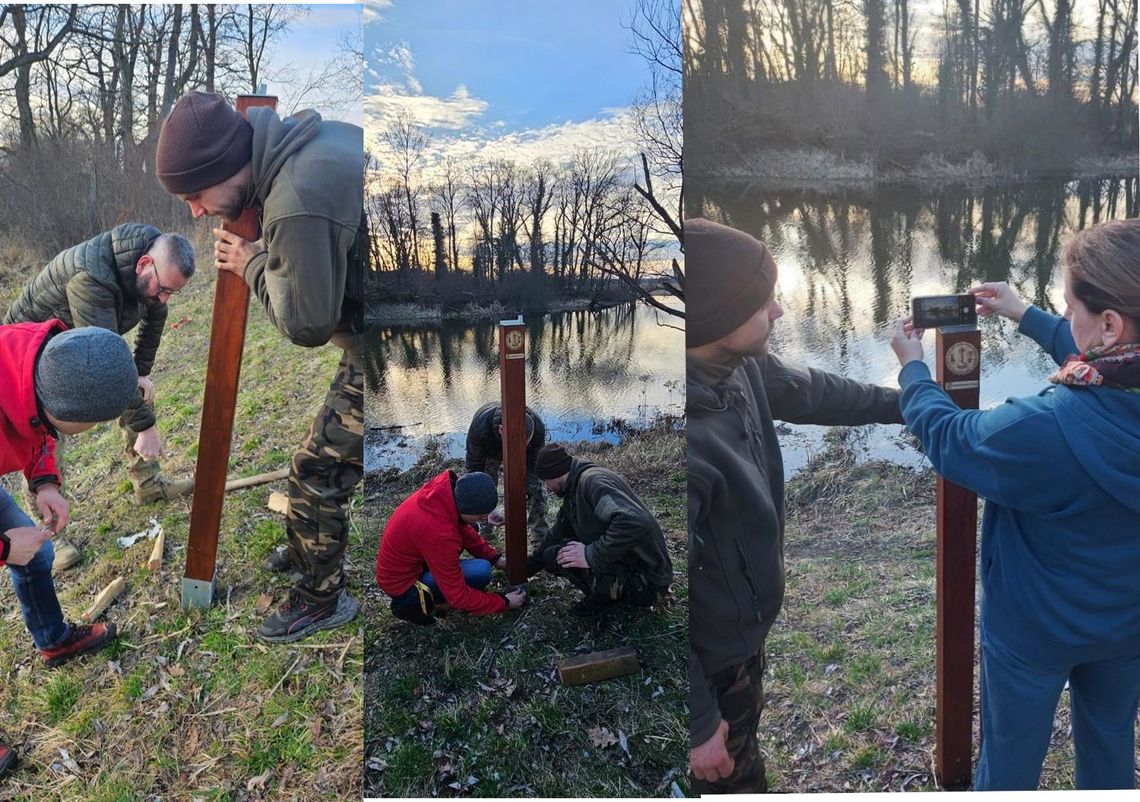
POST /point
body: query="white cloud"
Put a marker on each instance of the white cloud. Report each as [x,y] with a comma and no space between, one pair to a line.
[373,9]
[611,133]
[456,112]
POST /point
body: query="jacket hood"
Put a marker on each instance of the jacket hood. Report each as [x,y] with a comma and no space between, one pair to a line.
[19,348]
[275,139]
[706,390]
[1101,426]
[437,498]
[577,468]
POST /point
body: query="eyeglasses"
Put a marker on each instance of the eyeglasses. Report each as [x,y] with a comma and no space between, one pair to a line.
[158,282]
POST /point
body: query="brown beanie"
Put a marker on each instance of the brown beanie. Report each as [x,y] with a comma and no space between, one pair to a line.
[203,142]
[729,275]
[552,462]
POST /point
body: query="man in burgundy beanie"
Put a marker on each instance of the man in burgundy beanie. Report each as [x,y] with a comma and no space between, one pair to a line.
[305,176]
[735,387]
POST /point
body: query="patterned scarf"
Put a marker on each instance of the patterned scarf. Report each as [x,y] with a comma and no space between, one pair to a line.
[1118,366]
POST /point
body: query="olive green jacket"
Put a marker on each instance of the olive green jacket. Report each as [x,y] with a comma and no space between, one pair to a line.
[308,181]
[93,284]
[601,511]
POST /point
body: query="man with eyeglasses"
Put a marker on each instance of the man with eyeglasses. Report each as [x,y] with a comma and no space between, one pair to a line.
[118,280]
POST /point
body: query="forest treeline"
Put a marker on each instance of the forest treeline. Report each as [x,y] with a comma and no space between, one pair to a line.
[598,225]
[1032,85]
[84,90]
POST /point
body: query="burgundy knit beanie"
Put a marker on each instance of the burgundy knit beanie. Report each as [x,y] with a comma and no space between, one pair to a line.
[552,461]
[203,141]
[729,275]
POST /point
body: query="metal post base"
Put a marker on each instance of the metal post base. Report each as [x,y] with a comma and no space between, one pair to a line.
[198,592]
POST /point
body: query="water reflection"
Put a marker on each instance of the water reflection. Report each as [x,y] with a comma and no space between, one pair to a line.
[584,369]
[850,261]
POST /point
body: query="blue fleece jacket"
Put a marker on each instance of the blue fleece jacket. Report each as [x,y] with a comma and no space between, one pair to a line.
[1060,473]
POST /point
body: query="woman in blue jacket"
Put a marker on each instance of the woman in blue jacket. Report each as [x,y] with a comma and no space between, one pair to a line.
[1060,550]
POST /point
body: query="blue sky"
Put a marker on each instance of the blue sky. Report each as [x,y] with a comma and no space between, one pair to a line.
[491,76]
[304,50]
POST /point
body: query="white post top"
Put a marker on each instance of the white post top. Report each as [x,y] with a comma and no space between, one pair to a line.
[517,322]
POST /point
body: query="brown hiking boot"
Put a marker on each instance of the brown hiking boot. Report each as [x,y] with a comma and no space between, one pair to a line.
[67,554]
[162,489]
[82,639]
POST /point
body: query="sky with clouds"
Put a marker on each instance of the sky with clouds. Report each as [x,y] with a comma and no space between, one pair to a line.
[502,78]
[305,49]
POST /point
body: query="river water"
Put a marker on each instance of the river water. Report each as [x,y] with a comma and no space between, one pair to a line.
[850,261]
[585,370]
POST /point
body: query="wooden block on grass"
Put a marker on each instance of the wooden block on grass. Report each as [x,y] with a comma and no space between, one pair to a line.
[582,669]
[155,561]
[278,502]
[103,600]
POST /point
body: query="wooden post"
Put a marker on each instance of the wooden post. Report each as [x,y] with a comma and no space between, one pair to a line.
[512,387]
[223,367]
[958,369]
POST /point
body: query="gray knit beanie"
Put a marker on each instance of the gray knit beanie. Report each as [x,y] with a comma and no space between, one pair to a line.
[729,275]
[203,141]
[475,494]
[86,375]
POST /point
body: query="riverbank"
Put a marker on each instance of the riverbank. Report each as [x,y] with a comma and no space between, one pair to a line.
[850,687]
[403,314]
[473,706]
[814,168]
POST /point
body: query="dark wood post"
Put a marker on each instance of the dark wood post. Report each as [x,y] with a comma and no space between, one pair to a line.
[512,386]
[223,367]
[958,369]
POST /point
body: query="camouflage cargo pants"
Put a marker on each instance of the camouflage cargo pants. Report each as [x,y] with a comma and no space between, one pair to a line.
[325,472]
[535,500]
[139,470]
[621,581]
[739,692]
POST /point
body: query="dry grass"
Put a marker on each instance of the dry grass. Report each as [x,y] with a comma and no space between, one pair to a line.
[850,690]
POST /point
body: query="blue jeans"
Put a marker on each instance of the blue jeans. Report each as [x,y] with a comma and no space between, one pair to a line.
[1019,699]
[33,583]
[476,573]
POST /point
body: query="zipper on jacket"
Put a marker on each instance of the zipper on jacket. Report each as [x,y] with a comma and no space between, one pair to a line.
[744,569]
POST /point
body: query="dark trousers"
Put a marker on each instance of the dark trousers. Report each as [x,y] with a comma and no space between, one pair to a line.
[620,581]
[739,692]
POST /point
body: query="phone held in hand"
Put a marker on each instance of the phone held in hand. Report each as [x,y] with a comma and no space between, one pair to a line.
[940,311]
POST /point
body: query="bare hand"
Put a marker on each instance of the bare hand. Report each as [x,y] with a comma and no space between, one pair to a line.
[147,444]
[53,508]
[147,387]
[997,297]
[233,253]
[26,542]
[573,555]
[516,598]
[907,342]
[501,563]
[711,761]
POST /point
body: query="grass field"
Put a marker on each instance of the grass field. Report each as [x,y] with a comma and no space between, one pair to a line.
[472,706]
[850,686]
[188,704]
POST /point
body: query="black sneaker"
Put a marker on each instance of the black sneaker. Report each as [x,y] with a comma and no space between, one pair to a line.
[277,561]
[298,617]
[7,758]
[592,606]
[81,639]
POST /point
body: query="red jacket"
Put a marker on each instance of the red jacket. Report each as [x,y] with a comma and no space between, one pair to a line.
[25,443]
[426,533]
